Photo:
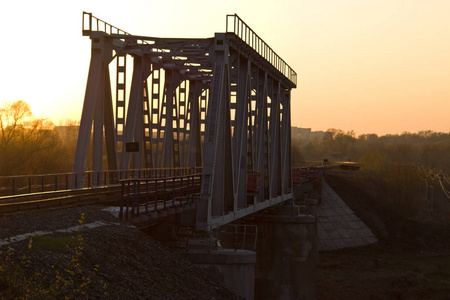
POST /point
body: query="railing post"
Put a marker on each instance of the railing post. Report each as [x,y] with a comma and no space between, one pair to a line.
[165,192]
[134,198]
[173,190]
[128,199]
[156,194]
[190,188]
[121,200]
[181,193]
[138,202]
[146,196]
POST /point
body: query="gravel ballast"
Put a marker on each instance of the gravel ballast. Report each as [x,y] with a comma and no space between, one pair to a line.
[120,261]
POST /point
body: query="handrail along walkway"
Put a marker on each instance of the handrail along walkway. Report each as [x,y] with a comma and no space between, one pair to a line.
[246,34]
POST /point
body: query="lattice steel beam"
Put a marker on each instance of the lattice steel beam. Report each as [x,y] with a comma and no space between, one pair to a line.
[222,103]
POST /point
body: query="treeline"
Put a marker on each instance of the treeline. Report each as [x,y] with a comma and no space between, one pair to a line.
[33,146]
[37,146]
[373,152]
[389,163]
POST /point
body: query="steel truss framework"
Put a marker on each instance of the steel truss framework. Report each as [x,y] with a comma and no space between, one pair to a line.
[220,103]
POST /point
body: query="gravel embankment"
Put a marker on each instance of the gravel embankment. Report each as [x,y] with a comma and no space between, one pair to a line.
[130,264]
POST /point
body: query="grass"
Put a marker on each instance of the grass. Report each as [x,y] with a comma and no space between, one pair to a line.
[50,242]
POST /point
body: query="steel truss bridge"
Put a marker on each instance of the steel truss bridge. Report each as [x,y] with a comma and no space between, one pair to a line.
[221,104]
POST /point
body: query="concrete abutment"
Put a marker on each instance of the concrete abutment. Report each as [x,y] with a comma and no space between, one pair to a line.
[235,268]
[287,254]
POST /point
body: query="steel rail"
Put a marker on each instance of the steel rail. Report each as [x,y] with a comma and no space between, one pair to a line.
[10,205]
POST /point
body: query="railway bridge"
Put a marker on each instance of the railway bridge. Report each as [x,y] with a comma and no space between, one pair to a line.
[196,131]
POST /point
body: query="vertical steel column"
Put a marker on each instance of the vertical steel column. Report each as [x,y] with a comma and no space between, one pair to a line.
[274,132]
[261,140]
[234,72]
[134,122]
[194,155]
[240,133]
[181,122]
[252,125]
[252,111]
[93,107]
[286,142]
[97,140]
[169,151]
[147,129]
[110,133]
[216,196]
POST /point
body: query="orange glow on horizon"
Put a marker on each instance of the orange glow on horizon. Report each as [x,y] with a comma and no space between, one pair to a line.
[370,66]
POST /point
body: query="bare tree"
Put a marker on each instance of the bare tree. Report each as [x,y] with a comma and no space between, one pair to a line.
[27,145]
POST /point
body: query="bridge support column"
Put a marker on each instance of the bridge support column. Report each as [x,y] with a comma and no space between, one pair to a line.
[235,268]
[287,254]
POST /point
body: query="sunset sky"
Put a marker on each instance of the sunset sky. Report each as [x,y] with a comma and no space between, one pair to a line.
[373,66]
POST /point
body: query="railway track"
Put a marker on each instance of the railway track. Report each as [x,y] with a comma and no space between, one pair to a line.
[48,200]
[134,195]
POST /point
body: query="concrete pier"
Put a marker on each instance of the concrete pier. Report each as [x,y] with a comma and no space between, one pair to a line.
[287,253]
[235,268]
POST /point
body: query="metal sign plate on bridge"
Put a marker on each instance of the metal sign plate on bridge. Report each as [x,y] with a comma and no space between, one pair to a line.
[221,103]
[132,147]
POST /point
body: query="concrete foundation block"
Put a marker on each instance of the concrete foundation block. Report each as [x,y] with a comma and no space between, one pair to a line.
[287,254]
[235,268]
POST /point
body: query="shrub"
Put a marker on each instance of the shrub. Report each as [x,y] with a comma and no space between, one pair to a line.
[65,279]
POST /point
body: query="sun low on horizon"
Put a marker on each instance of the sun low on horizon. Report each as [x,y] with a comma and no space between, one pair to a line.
[369,66]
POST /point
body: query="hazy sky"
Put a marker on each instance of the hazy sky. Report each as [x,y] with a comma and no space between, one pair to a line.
[374,66]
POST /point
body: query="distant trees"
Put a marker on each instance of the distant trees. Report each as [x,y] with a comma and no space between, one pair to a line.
[29,145]
[338,141]
[428,148]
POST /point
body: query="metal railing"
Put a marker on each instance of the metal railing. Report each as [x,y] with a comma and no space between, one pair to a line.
[144,195]
[237,236]
[300,175]
[91,23]
[31,184]
[237,26]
